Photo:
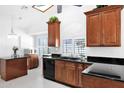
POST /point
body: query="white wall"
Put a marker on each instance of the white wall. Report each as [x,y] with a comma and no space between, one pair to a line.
[6,44]
[73,22]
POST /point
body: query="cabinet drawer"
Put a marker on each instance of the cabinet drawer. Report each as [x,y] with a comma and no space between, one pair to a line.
[59,62]
[70,64]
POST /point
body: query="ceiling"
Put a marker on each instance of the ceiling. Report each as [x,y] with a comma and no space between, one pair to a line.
[28,19]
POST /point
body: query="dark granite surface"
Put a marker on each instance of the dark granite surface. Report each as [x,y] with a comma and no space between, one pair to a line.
[106,60]
[10,58]
[92,59]
[75,60]
[106,76]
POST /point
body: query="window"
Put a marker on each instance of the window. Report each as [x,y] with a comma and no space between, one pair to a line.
[41,45]
[74,46]
[79,47]
[67,46]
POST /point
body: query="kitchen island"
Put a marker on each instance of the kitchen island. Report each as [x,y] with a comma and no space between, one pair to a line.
[11,68]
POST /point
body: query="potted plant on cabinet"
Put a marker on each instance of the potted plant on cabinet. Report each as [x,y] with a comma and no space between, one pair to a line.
[100,6]
[53,19]
[53,32]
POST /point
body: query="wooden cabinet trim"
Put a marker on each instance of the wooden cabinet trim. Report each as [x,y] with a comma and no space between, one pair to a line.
[110,7]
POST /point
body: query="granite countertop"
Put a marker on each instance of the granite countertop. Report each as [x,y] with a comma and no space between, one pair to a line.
[106,76]
[9,57]
[69,59]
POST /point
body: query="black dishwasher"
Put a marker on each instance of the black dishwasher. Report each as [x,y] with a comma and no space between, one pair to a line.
[49,68]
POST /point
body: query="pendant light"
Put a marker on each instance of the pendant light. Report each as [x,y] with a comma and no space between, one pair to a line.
[12,34]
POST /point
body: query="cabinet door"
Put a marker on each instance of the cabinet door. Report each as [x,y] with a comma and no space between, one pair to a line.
[70,74]
[111,28]
[93,29]
[14,68]
[33,61]
[95,82]
[51,35]
[79,69]
[57,34]
[59,71]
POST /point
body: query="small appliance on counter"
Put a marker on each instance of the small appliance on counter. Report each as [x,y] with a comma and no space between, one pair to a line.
[46,55]
[55,55]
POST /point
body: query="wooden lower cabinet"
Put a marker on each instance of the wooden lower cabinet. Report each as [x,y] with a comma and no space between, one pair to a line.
[99,82]
[60,71]
[13,68]
[33,61]
[80,68]
[65,72]
[69,72]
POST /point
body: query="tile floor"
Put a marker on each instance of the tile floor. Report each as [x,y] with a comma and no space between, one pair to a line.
[34,79]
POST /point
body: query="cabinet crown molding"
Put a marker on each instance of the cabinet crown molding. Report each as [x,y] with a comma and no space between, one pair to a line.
[110,7]
[53,22]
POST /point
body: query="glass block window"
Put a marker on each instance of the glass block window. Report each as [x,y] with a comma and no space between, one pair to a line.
[74,46]
[67,46]
[79,46]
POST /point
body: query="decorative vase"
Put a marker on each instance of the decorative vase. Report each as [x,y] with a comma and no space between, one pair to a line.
[15,51]
[15,54]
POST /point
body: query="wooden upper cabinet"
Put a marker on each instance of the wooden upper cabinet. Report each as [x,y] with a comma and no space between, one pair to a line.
[104,26]
[93,29]
[54,34]
[111,27]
